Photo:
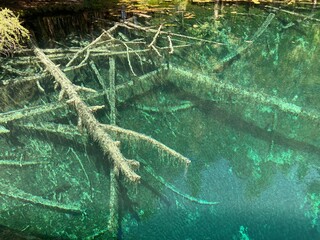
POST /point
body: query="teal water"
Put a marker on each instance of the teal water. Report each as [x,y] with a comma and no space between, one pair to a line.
[242,104]
[268,200]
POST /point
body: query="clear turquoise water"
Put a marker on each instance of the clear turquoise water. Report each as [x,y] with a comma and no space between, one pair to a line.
[249,151]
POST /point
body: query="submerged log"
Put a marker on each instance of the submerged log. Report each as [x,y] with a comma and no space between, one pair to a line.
[289,120]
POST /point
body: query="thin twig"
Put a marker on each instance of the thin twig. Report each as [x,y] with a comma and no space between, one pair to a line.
[147,29]
[293,13]
[152,44]
[175,190]
[170,45]
[81,165]
[40,87]
[127,51]
[85,59]
[112,91]
[90,45]
[155,36]
[19,163]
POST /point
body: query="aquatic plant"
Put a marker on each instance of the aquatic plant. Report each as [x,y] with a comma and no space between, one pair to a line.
[244,233]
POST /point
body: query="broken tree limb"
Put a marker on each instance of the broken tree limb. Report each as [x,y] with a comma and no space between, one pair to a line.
[166,109]
[20,195]
[94,128]
[19,163]
[151,141]
[64,131]
[113,222]
[20,80]
[29,112]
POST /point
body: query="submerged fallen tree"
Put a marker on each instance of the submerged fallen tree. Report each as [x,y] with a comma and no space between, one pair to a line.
[89,122]
[211,89]
[99,133]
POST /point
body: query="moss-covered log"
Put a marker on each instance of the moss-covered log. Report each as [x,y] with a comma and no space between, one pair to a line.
[292,122]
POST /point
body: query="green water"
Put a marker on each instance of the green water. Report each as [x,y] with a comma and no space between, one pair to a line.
[242,105]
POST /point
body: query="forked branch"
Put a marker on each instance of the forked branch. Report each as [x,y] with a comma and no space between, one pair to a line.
[94,128]
[98,131]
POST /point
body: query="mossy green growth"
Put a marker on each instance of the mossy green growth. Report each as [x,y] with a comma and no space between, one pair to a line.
[11,32]
[313,200]
[244,233]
